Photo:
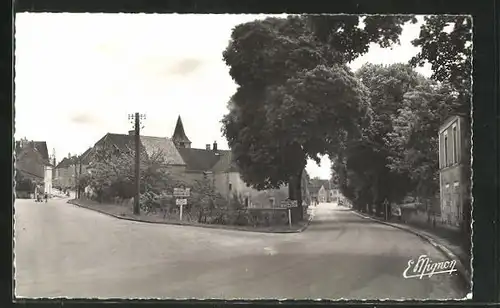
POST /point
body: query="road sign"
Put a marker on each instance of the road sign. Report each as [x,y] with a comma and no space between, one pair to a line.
[288,203]
[181,201]
[181,192]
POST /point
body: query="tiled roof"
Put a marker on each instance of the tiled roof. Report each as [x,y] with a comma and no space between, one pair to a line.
[225,163]
[85,156]
[65,163]
[38,146]
[149,144]
[41,147]
[165,146]
[315,185]
[121,141]
[199,159]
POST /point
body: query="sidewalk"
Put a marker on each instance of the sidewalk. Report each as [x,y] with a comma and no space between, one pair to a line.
[447,237]
[445,240]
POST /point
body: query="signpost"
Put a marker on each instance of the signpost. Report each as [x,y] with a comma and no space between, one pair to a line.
[289,204]
[181,194]
[386,205]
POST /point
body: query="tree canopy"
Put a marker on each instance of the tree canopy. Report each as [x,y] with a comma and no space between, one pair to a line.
[296,98]
[446,43]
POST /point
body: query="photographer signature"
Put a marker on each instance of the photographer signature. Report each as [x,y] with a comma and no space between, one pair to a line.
[425,267]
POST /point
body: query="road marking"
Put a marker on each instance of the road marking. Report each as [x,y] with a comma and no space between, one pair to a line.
[270,251]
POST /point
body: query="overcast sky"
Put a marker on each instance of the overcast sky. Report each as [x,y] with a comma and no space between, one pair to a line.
[78,76]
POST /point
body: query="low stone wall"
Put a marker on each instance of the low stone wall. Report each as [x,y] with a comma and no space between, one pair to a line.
[243,217]
[425,219]
[275,216]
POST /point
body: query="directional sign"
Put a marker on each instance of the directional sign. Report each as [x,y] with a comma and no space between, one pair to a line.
[181,192]
[288,203]
[181,201]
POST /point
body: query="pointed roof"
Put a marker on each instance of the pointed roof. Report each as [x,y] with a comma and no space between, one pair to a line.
[179,133]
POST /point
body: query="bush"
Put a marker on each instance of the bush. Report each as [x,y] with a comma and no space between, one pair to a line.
[151,202]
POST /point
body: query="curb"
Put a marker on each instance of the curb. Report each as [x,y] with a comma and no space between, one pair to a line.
[443,249]
[176,223]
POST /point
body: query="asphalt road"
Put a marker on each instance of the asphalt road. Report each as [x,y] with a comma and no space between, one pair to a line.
[65,251]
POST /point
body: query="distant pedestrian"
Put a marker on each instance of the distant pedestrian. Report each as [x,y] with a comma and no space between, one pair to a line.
[46,196]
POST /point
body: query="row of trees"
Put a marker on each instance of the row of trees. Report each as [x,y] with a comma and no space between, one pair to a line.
[297,100]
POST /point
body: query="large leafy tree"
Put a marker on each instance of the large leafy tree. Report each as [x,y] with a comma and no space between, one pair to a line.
[446,43]
[415,135]
[371,179]
[296,98]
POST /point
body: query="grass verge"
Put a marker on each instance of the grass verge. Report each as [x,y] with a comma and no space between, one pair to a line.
[126,212]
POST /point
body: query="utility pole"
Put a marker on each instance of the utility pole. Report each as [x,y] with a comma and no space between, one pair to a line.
[136,118]
[74,161]
[386,210]
[79,174]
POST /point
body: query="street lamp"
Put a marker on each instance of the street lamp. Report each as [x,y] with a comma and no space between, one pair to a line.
[136,119]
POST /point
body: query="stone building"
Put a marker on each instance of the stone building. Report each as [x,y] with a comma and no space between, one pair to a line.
[320,190]
[68,169]
[453,164]
[190,165]
[33,163]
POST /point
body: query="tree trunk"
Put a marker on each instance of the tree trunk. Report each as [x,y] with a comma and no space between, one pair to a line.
[295,193]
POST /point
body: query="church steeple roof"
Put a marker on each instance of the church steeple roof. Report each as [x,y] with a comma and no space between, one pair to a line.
[179,134]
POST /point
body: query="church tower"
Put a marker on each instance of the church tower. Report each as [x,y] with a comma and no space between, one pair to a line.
[179,137]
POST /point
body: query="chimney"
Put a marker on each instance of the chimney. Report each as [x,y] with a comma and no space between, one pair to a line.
[215,146]
[131,132]
[207,147]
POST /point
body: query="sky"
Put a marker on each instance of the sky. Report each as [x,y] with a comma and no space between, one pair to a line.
[79,76]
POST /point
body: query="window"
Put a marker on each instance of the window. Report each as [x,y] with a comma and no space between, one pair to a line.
[445,146]
[455,144]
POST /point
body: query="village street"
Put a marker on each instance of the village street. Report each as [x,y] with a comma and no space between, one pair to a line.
[65,251]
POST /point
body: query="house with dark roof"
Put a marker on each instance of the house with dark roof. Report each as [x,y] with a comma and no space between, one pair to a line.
[33,162]
[189,164]
[220,166]
[323,190]
[68,169]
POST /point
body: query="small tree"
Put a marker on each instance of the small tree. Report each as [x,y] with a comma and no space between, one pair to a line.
[113,174]
[204,200]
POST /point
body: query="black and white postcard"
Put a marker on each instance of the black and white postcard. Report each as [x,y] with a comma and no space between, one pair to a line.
[247,157]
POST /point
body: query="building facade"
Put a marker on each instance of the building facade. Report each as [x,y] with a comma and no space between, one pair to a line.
[33,163]
[453,164]
[192,165]
[219,166]
[68,170]
[333,195]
